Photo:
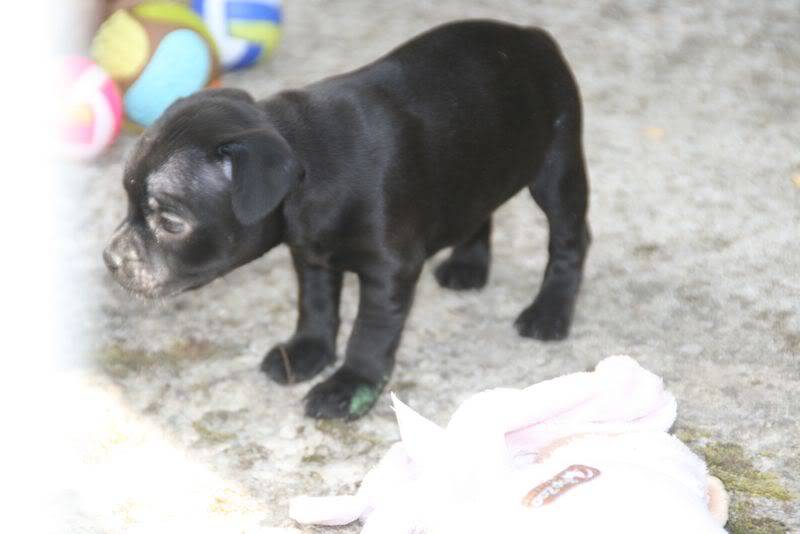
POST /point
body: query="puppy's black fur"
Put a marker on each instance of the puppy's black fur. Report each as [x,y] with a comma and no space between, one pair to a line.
[371,172]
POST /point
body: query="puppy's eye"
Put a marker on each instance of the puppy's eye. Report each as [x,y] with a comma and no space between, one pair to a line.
[170,223]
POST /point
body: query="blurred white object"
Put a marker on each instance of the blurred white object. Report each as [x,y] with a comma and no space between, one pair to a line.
[586,452]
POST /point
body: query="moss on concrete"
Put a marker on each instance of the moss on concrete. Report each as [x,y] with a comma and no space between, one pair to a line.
[689,435]
[211,436]
[247,455]
[744,521]
[318,456]
[404,386]
[209,426]
[348,435]
[119,361]
[731,464]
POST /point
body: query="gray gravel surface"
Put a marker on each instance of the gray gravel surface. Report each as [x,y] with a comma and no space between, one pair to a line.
[692,142]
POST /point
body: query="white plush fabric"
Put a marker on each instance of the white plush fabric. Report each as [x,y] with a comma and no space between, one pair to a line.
[474,475]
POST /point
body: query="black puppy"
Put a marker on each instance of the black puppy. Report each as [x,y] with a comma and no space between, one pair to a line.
[371,172]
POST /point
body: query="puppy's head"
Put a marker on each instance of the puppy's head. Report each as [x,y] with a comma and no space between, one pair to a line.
[204,185]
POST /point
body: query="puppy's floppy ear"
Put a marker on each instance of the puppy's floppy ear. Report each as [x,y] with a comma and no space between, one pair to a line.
[262,171]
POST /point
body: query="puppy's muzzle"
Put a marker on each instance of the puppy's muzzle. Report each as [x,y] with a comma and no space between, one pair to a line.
[112,259]
[123,258]
[120,248]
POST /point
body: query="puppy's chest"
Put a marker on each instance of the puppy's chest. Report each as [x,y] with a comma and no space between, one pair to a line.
[319,256]
[323,237]
[313,254]
[320,247]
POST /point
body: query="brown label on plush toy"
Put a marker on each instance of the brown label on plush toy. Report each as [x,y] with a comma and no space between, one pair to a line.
[548,491]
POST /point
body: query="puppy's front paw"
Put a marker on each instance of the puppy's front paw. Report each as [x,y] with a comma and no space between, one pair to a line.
[547,321]
[455,274]
[298,360]
[344,395]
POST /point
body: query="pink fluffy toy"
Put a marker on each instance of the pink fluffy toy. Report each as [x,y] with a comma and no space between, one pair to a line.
[586,452]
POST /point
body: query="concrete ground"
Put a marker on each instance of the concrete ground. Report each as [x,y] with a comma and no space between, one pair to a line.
[692,112]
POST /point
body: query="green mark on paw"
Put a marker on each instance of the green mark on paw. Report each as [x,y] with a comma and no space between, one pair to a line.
[363,399]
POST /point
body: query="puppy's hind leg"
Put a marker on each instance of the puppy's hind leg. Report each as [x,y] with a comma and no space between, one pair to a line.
[313,345]
[468,264]
[561,189]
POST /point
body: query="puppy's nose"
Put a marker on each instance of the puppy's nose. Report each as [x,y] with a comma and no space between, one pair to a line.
[113,261]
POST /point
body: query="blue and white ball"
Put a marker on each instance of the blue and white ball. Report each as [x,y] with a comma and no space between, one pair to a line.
[246,31]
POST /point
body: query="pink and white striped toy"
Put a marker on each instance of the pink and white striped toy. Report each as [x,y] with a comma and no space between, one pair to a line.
[90,109]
